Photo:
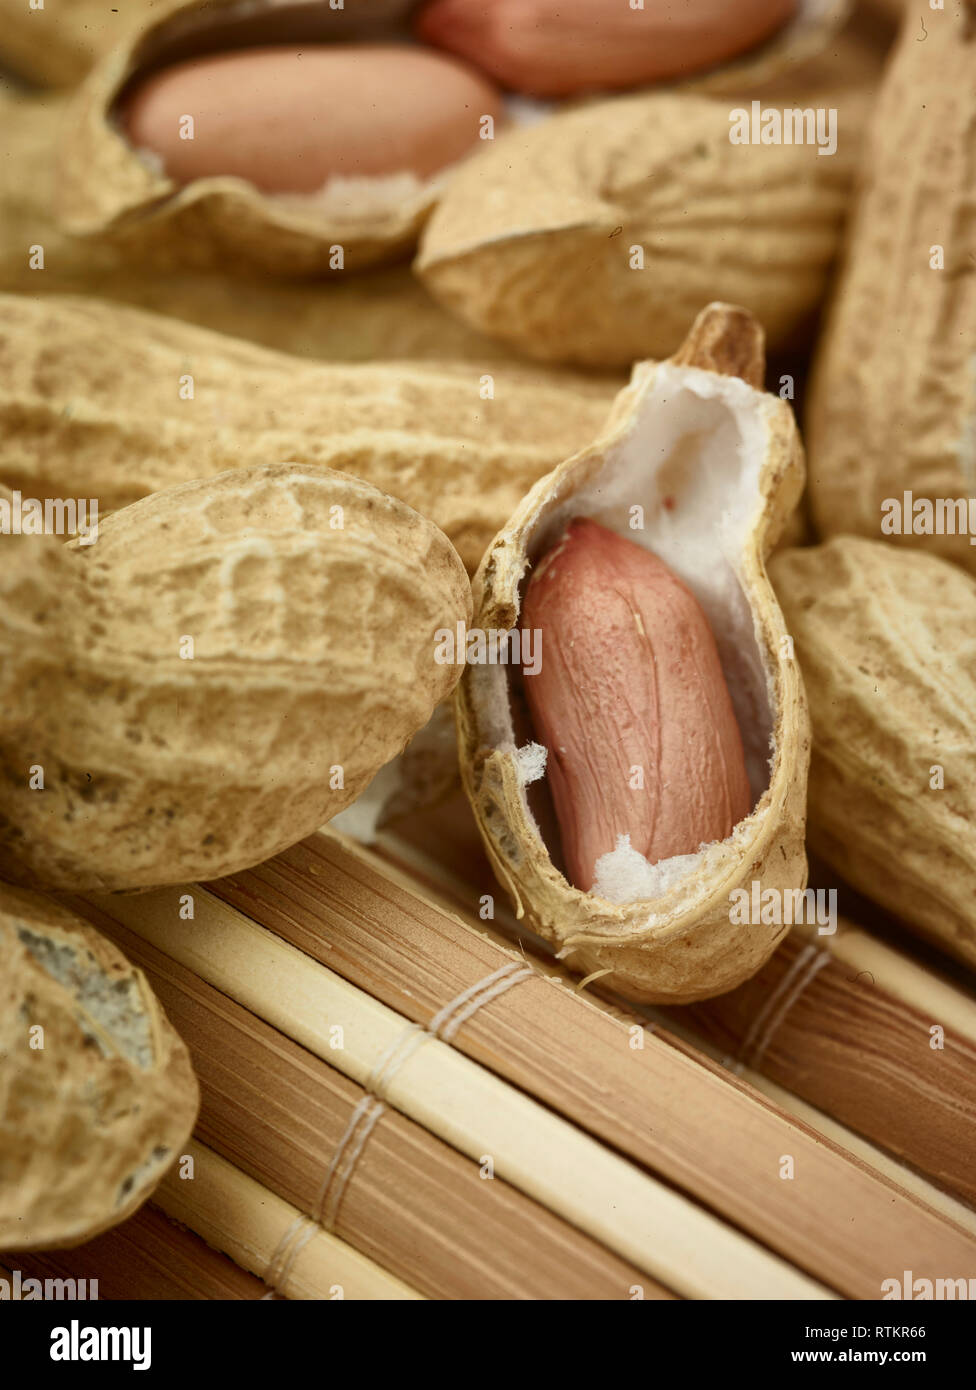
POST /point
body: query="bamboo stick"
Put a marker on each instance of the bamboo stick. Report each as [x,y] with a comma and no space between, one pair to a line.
[378,1180]
[268,1236]
[854,1043]
[661,1232]
[950,1207]
[147,1257]
[844,1225]
[846,1023]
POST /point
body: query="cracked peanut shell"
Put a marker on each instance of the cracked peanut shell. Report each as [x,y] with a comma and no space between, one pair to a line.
[114,192]
[717,467]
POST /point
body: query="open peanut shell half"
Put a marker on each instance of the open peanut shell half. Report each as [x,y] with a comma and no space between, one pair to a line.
[113,191]
[717,467]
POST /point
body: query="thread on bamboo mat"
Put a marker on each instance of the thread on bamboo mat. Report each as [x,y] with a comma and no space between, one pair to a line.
[447,1021]
[403,1046]
[444,1025]
[286,1252]
[361,1124]
[770,1017]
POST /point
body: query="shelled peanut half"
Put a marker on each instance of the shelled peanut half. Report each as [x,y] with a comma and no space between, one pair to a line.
[285,139]
[640,753]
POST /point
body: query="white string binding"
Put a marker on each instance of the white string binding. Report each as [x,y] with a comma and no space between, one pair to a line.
[469,1001]
[444,1025]
[363,1119]
[769,1018]
[297,1236]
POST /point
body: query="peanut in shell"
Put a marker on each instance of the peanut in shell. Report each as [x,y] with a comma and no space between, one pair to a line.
[220,673]
[97,1095]
[891,417]
[102,401]
[594,237]
[714,467]
[886,641]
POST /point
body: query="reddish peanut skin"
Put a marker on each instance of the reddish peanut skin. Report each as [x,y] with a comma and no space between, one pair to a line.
[555,48]
[630,676]
[289,119]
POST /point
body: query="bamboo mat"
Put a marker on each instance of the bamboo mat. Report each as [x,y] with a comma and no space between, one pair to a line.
[398,1194]
[878,1159]
[837,1220]
[636,1216]
[268,1236]
[848,1033]
[147,1257]
[846,1023]
[397,1103]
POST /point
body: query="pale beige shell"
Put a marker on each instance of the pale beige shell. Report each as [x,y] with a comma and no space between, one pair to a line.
[538,238]
[97,1095]
[717,466]
[57,45]
[886,640]
[95,404]
[312,601]
[892,406]
[110,194]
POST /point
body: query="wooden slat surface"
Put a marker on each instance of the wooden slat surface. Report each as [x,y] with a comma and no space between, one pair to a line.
[685,1119]
[850,1047]
[413,1204]
[147,1257]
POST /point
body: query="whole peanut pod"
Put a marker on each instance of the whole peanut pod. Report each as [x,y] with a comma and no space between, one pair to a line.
[224,669]
[631,703]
